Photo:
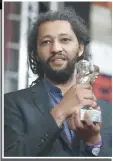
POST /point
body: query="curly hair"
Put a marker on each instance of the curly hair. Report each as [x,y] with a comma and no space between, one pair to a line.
[78,26]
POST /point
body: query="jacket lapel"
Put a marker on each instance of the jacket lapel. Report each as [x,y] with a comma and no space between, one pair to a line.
[65,139]
[41,97]
[42,100]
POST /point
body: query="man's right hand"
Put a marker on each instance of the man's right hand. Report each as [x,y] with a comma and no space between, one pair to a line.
[78,95]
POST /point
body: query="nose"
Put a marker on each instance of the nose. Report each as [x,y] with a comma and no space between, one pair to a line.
[56,47]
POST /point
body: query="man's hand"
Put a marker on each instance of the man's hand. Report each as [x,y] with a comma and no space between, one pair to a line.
[71,102]
[89,131]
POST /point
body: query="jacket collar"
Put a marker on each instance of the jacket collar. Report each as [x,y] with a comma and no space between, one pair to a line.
[42,100]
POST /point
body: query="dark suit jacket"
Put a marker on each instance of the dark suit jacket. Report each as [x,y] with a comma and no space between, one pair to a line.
[30,130]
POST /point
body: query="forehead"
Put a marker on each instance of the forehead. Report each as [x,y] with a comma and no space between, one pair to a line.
[55,28]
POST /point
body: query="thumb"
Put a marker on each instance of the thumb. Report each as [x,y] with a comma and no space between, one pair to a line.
[71,122]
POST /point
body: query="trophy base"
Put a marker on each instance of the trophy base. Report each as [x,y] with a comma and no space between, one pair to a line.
[95,115]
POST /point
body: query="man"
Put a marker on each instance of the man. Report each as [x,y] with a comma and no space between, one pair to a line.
[44,120]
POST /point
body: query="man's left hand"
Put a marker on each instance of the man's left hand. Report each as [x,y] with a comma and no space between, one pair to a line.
[86,129]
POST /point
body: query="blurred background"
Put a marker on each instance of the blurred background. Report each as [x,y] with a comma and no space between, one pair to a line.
[19,16]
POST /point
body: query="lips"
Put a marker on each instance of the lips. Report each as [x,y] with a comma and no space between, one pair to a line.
[58,58]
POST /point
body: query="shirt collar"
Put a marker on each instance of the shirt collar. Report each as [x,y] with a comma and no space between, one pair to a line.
[51,87]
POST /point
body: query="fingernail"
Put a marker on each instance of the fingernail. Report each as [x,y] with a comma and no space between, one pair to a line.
[90,126]
[98,108]
[94,104]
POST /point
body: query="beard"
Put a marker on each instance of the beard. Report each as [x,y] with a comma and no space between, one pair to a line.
[59,76]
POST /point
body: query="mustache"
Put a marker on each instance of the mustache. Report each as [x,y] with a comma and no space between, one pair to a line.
[57,56]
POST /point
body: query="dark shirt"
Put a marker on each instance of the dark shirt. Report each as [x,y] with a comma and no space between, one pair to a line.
[55,94]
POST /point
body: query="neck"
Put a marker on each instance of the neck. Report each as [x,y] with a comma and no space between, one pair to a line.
[65,87]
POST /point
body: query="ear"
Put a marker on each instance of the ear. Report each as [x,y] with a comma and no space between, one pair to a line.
[81,49]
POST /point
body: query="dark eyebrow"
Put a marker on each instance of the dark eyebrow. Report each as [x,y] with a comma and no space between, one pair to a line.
[64,34]
[49,36]
[46,36]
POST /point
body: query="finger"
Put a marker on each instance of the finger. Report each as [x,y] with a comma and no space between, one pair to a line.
[89,123]
[71,122]
[85,86]
[77,120]
[94,97]
[89,95]
[89,103]
[88,120]
[98,108]
[96,127]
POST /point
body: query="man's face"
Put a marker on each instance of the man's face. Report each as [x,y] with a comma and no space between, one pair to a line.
[58,50]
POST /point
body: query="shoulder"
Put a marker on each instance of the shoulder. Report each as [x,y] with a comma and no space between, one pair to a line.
[23,93]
